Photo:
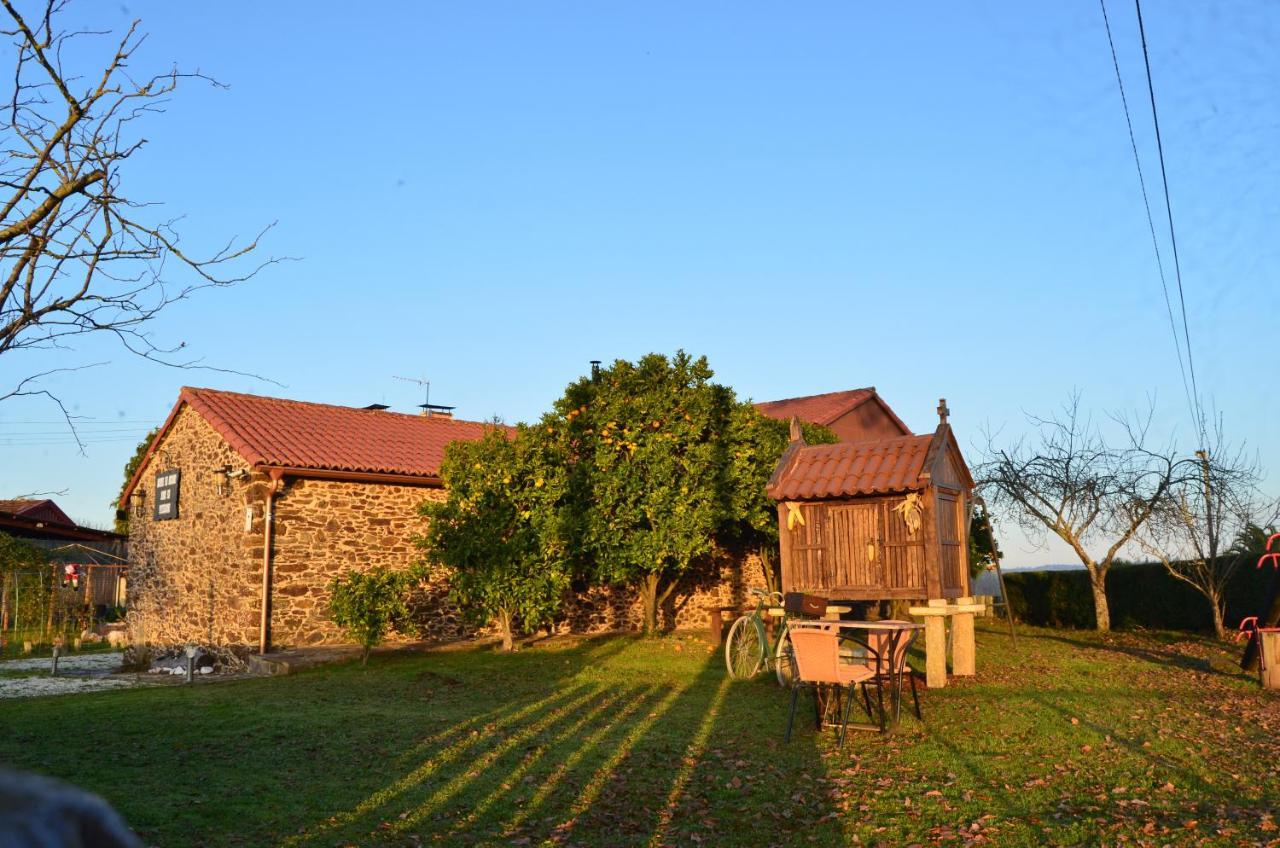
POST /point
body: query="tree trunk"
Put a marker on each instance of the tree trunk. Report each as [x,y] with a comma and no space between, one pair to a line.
[504,629]
[1101,612]
[364,655]
[649,598]
[652,599]
[1219,614]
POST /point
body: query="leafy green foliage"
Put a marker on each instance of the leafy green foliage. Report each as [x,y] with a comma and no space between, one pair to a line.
[24,564]
[368,605]
[755,444]
[984,551]
[650,437]
[635,478]
[19,555]
[130,468]
[498,530]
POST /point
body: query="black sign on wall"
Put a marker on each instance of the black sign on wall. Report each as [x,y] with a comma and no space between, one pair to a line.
[167,494]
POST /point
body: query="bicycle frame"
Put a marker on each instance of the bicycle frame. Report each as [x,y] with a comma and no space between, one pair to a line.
[766,600]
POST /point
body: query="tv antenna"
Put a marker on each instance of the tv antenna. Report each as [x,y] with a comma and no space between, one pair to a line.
[425,385]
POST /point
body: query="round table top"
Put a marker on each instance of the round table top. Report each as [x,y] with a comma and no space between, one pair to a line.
[868,625]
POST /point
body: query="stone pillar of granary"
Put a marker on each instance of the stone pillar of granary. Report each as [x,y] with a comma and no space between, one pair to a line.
[963,646]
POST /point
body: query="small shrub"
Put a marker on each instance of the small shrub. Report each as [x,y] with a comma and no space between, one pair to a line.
[369,605]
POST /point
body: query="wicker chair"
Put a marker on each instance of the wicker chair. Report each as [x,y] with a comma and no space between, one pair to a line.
[818,666]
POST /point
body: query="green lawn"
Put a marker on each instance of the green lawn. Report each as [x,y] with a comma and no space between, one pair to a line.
[1145,739]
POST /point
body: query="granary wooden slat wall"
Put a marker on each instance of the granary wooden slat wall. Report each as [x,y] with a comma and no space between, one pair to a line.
[882,520]
[951,541]
[860,548]
[855,535]
[904,554]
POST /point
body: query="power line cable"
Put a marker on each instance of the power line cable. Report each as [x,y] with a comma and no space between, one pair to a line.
[1146,203]
[1173,238]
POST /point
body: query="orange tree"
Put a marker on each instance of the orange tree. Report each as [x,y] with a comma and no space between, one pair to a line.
[662,467]
[648,474]
[497,531]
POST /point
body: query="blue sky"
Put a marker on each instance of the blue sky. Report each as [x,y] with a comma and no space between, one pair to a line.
[935,199]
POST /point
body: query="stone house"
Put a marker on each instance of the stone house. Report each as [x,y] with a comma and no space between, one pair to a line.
[245,507]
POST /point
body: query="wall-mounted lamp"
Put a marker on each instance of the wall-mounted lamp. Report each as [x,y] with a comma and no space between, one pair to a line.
[140,503]
[227,473]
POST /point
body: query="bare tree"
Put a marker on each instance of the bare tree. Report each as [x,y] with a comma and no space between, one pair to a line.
[78,255]
[1197,527]
[1068,480]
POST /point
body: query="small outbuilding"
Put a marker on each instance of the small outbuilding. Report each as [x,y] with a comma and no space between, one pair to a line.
[882,519]
[878,519]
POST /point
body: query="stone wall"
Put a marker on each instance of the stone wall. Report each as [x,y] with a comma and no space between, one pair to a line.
[603,608]
[192,578]
[198,578]
[326,527]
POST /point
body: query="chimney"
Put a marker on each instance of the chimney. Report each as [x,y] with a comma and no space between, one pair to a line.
[377,407]
[435,410]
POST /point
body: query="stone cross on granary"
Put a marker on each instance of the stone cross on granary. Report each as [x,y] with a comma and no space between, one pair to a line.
[943,411]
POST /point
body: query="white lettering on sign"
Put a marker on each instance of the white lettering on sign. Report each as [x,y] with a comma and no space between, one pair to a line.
[167,487]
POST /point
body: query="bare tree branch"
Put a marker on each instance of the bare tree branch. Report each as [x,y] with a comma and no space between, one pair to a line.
[1069,480]
[78,255]
[1199,529]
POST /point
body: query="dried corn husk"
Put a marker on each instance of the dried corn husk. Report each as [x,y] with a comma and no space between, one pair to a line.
[795,518]
[911,511]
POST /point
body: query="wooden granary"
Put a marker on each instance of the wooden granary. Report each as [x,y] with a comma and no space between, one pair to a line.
[875,519]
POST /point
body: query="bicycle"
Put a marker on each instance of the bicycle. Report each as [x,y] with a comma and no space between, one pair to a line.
[747,649]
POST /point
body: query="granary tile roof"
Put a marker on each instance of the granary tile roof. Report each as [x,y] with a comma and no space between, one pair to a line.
[302,436]
[852,468]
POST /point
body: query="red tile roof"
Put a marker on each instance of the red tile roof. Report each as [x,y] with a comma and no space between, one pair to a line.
[852,468]
[37,510]
[828,408]
[816,409]
[274,432]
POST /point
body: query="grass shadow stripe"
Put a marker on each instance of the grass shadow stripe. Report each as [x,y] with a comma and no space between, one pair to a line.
[597,782]
[516,774]
[441,758]
[456,785]
[693,754]
[553,780]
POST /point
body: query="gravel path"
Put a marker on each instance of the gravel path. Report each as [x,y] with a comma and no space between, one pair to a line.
[76,673]
[100,663]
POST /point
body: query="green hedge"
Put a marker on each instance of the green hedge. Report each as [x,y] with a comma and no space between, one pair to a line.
[1140,595]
